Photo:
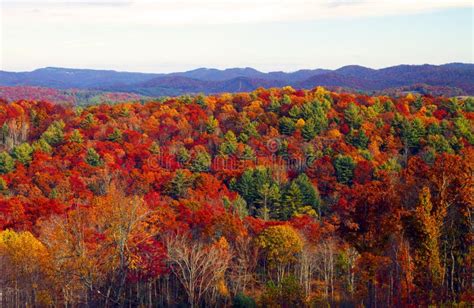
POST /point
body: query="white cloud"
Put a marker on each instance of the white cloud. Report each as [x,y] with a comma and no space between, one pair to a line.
[196,12]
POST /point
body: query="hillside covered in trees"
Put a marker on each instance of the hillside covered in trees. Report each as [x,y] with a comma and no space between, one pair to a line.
[277,197]
[446,78]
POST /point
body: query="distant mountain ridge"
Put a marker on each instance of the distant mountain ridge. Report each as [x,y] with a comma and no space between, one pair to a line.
[209,80]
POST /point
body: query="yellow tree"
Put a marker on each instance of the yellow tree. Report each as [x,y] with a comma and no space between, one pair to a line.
[281,246]
[24,261]
[427,258]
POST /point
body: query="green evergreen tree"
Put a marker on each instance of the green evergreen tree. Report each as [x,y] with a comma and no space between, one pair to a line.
[115,136]
[248,153]
[250,130]
[54,135]
[229,146]
[267,200]
[211,124]
[43,146]
[295,112]
[353,116]
[309,192]
[344,166]
[88,121]
[7,163]
[23,153]
[309,130]
[292,201]
[93,158]
[201,162]
[287,126]
[285,100]
[178,186]
[183,156]
[76,136]
[440,144]
[358,139]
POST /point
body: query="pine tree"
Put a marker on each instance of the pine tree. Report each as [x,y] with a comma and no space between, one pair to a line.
[211,124]
[309,130]
[344,166]
[43,146]
[23,153]
[183,156]
[178,186]
[76,136]
[291,203]
[93,158]
[229,146]
[115,136]
[248,153]
[268,199]
[7,163]
[353,116]
[309,193]
[201,162]
[54,135]
[287,126]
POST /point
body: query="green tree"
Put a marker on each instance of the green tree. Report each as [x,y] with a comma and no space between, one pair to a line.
[440,144]
[155,148]
[416,132]
[287,126]
[54,135]
[411,133]
[201,162]
[43,146]
[275,105]
[344,166]
[93,158]
[358,139]
[182,155]
[353,116]
[23,153]
[212,124]
[7,163]
[285,100]
[243,301]
[310,195]
[291,203]
[250,129]
[464,129]
[178,186]
[115,136]
[76,136]
[268,198]
[250,187]
[229,146]
[88,121]
[309,130]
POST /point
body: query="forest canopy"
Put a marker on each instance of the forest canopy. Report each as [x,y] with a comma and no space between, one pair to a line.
[276,197]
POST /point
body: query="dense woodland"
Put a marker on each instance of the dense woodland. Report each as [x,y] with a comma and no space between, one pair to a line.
[278,197]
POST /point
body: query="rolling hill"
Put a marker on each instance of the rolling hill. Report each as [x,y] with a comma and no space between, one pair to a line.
[453,75]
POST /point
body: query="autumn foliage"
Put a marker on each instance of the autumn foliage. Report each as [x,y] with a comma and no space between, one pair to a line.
[278,197]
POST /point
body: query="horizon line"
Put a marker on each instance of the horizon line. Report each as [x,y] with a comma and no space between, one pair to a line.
[228,68]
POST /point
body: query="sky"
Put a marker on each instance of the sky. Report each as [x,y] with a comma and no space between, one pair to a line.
[270,35]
